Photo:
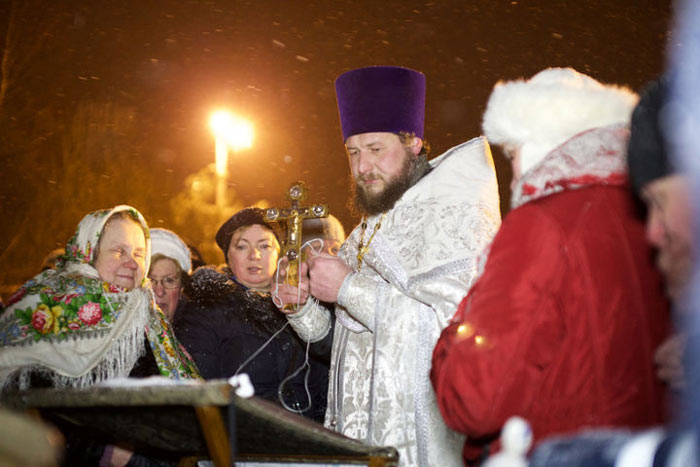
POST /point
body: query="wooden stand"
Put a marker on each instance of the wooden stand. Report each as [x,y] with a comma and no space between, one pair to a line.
[198,421]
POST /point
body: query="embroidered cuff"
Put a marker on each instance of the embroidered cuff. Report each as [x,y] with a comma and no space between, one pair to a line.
[343,291]
[310,302]
[357,295]
[312,322]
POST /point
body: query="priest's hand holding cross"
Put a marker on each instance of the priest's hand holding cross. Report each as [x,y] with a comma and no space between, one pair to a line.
[326,274]
[322,275]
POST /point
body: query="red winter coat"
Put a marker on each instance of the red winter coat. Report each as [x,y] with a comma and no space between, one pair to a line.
[562,325]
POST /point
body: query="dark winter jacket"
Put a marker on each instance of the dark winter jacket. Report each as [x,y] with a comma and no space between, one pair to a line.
[224,324]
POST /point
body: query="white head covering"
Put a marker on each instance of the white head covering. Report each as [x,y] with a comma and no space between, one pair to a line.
[167,243]
[81,248]
[322,227]
[551,107]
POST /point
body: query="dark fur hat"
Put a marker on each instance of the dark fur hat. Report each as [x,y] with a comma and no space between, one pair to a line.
[243,218]
[647,153]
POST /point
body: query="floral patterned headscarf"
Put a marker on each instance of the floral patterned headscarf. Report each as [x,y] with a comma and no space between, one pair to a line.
[76,329]
[82,247]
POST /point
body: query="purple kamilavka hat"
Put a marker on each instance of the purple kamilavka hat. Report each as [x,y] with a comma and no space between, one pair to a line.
[381,99]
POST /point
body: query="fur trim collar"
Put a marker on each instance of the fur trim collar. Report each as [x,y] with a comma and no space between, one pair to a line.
[595,157]
[216,289]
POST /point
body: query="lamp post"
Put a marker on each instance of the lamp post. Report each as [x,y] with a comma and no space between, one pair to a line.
[229,132]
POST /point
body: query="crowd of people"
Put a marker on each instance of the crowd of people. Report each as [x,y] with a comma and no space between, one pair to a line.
[432,323]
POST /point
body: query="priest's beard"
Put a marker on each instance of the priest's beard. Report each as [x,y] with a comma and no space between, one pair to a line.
[372,204]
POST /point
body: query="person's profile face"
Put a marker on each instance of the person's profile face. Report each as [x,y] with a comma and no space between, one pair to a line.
[669,229]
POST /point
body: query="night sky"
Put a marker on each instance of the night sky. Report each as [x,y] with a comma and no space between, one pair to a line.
[106,102]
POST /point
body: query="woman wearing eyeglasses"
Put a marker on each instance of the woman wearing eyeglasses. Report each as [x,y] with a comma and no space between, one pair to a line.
[171,265]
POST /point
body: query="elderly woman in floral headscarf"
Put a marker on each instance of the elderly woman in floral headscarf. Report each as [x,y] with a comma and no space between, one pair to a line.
[91,319]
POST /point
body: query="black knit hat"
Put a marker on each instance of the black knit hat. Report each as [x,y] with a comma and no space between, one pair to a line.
[647,153]
[243,218]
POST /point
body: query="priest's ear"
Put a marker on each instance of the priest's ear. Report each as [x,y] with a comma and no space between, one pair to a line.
[412,142]
[416,144]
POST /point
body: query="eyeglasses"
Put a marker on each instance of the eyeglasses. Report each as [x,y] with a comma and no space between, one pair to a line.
[167,282]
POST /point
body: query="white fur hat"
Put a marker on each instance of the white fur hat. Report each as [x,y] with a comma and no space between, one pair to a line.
[167,243]
[551,107]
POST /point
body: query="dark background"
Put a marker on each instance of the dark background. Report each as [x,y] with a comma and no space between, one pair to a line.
[106,102]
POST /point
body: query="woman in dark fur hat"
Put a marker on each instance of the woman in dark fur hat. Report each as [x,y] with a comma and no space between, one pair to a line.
[231,317]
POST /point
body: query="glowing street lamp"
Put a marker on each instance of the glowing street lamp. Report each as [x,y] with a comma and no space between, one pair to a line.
[230,132]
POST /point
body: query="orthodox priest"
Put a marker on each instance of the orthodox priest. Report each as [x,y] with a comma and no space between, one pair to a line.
[400,275]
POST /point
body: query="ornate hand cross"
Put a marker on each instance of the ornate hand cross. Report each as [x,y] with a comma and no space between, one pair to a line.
[294,215]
